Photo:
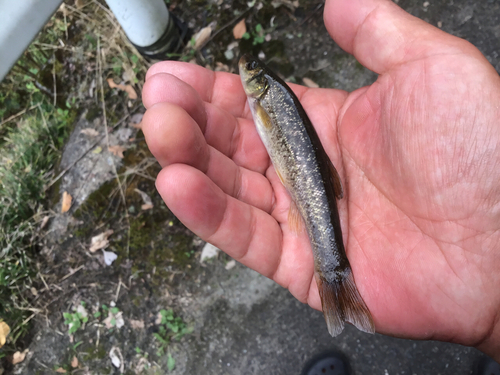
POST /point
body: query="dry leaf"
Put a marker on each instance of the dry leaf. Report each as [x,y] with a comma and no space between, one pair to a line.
[137,125]
[292,5]
[158,319]
[202,36]
[100,241]
[45,220]
[90,132]
[4,332]
[148,203]
[116,358]
[74,362]
[79,4]
[61,370]
[18,357]
[66,202]
[97,150]
[136,324]
[130,92]
[310,83]
[239,29]
[63,9]
[146,207]
[127,88]
[114,320]
[117,150]
[220,67]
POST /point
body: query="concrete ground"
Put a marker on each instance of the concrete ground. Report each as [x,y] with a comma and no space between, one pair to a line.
[257,327]
[275,334]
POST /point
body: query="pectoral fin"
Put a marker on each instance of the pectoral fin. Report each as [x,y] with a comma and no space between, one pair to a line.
[336,181]
[263,116]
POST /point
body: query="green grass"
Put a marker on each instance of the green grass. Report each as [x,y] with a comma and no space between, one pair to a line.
[28,152]
[33,128]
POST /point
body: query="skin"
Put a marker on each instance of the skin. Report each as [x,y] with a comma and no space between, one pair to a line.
[418,152]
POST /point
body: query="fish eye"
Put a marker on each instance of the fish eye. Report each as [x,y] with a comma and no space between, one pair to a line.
[251,65]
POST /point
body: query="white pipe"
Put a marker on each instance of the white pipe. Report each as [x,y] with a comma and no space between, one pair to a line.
[144,22]
[20,22]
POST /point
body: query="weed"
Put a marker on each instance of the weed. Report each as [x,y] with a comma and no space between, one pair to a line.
[170,328]
[258,35]
[170,362]
[76,320]
[36,115]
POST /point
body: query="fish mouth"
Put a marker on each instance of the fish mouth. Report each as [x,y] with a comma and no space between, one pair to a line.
[245,61]
[251,71]
[244,71]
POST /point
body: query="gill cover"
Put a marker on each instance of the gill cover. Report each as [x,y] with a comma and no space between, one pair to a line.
[253,76]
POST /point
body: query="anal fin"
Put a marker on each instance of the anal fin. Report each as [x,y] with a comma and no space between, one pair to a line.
[342,302]
[295,222]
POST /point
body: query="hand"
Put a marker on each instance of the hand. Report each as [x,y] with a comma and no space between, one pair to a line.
[418,152]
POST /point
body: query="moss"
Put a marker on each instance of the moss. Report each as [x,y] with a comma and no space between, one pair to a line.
[93,112]
[154,241]
[93,353]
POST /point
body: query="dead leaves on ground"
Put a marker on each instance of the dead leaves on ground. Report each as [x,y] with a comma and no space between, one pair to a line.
[90,132]
[310,83]
[240,29]
[148,203]
[4,332]
[100,241]
[18,357]
[127,88]
[117,150]
[66,202]
[202,36]
[136,324]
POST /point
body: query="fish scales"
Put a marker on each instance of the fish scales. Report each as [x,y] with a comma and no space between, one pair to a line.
[313,184]
[299,165]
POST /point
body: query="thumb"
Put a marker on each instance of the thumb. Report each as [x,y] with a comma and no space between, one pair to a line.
[381,35]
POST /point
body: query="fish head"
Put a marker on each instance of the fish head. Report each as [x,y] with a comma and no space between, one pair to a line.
[253,76]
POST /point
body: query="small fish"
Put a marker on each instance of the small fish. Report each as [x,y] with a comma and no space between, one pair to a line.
[313,184]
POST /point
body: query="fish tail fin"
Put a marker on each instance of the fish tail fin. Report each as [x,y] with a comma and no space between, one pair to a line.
[334,315]
[342,302]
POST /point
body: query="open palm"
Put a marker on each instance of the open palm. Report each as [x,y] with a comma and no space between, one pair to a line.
[417,152]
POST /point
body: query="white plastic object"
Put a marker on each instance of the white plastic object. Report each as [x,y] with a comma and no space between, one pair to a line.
[144,22]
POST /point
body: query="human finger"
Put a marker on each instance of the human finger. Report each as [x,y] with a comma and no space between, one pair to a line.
[223,90]
[174,137]
[381,35]
[244,232]
[163,87]
[234,137]
[219,88]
